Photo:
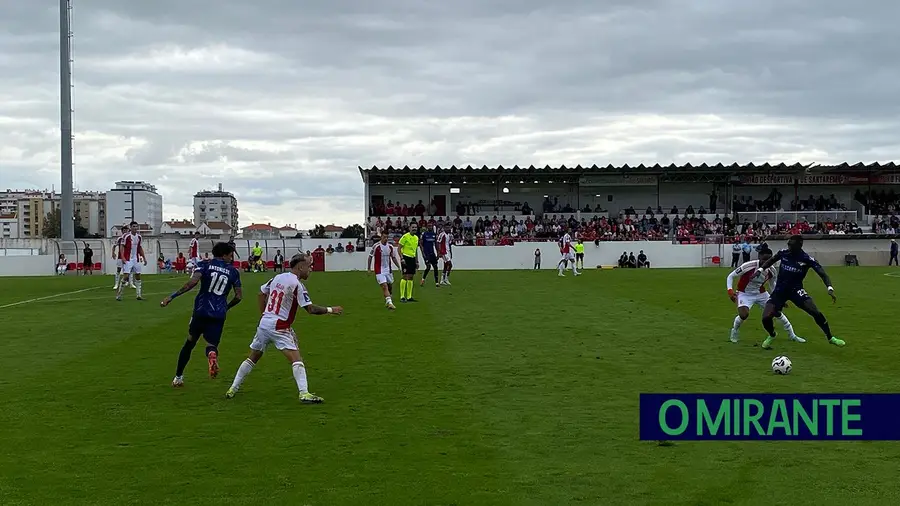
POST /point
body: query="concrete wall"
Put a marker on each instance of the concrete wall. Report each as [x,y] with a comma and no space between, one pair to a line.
[519,256]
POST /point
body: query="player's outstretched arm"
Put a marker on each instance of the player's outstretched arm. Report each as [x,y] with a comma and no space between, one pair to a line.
[320,310]
[187,287]
[816,266]
[238,297]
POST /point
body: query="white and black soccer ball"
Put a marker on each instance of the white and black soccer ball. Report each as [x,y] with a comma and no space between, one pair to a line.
[781,365]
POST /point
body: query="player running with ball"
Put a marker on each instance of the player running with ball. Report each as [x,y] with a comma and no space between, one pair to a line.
[753,290]
[279,300]
[795,263]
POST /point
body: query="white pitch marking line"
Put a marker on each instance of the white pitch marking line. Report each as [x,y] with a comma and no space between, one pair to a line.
[893,274]
[29,301]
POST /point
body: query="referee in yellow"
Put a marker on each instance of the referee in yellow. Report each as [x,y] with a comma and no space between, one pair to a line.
[409,262]
[579,254]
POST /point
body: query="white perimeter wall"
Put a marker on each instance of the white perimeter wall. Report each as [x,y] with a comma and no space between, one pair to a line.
[519,256]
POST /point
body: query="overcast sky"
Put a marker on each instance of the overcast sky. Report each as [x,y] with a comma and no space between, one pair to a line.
[280,100]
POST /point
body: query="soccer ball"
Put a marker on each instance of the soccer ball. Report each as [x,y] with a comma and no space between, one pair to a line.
[781,365]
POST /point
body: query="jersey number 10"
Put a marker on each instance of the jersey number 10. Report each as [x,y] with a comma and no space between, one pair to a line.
[219,283]
[275,301]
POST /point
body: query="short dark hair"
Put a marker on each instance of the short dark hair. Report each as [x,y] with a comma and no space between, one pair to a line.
[221,249]
[297,258]
[133,224]
[765,251]
[796,237]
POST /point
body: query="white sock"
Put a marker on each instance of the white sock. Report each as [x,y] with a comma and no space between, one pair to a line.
[787,325]
[118,278]
[574,268]
[737,322]
[388,300]
[242,372]
[300,376]
[121,287]
[138,285]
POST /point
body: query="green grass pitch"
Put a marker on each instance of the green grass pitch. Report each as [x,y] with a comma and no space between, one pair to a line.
[509,388]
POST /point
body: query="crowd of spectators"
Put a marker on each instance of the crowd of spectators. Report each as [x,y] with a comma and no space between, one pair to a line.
[883,202]
[774,202]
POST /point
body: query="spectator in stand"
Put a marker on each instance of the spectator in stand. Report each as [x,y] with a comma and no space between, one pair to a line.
[61,265]
[349,248]
[893,260]
[339,248]
[642,260]
[88,262]
[329,250]
[278,261]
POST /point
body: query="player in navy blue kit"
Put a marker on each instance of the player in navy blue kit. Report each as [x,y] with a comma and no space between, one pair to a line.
[428,244]
[795,263]
[217,277]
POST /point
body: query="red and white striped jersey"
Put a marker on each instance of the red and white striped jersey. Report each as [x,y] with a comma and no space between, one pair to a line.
[445,239]
[131,246]
[120,246]
[194,249]
[382,254]
[565,243]
[748,281]
[285,294]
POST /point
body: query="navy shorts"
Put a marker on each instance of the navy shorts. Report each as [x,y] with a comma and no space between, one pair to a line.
[781,297]
[209,328]
[432,261]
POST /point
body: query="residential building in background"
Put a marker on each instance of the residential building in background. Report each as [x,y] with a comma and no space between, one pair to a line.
[32,206]
[260,231]
[186,227]
[134,201]
[216,206]
[289,232]
[333,231]
[9,226]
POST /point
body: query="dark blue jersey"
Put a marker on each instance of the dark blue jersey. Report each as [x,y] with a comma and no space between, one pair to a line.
[428,242]
[893,249]
[793,269]
[217,278]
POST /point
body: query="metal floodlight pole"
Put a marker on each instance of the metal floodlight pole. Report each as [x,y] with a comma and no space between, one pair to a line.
[67,207]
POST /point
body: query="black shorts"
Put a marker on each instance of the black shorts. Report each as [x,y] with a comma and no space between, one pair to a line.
[579,256]
[209,328]
[408,265]
[432,261]
[89,264]
[781,297]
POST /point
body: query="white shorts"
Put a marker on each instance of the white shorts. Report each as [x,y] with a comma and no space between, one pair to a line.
[119,263]
[385,278]
[132,267]
[282,339]
[569,256]
[748,300]
[446,259]
[196,261]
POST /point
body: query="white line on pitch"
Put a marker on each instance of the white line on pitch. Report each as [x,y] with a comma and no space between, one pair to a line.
[29,301]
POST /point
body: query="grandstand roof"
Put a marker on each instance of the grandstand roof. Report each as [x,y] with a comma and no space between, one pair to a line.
[441,174]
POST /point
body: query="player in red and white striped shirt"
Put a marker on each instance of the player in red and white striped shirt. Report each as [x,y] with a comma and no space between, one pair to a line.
[279,300]
[568,255]
[445,252]
[194,253]
[133,255]
[385,256]
[117,253]
[753,290]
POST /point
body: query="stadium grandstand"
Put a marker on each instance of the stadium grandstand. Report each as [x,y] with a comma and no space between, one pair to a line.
[678,203]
